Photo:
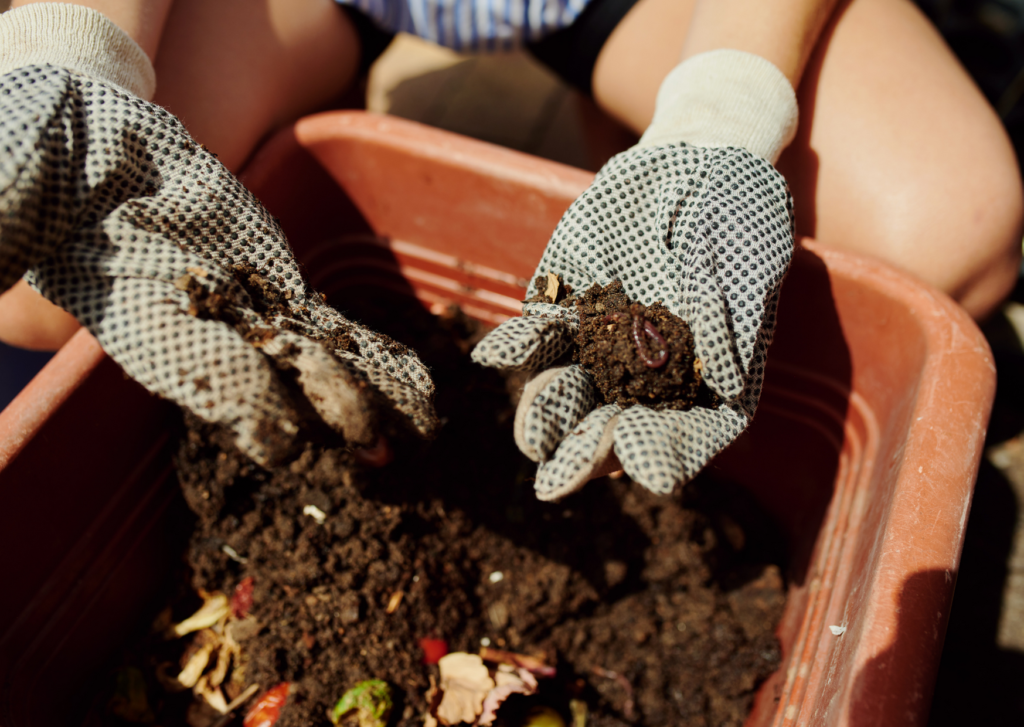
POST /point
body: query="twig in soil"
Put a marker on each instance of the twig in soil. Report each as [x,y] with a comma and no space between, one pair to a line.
[230,715]
[530,663]
[627,706]
[233,554]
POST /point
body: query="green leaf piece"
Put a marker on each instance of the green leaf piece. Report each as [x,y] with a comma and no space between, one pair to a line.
[371,699]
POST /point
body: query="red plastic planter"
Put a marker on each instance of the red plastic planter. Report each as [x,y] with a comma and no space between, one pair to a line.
[865,446]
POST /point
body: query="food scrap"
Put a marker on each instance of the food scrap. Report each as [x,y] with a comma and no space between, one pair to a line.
[370,700]
[268,707]
[471,692]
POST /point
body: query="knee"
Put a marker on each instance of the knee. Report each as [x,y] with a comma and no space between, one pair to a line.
[957,227]
[995,269]
[28,320]
[975,253]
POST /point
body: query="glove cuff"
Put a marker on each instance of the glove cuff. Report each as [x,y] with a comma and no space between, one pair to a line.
[725,98]
[77,38]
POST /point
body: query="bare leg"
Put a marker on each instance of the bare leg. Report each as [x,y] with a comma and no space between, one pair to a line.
[233,71]
[28,320]
[898,155]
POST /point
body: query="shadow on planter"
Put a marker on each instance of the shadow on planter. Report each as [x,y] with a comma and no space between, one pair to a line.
[865,447]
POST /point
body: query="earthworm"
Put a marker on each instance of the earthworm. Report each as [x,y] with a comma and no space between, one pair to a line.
[639,322]
[643,326]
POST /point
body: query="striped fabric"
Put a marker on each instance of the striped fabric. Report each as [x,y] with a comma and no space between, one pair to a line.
[472,25]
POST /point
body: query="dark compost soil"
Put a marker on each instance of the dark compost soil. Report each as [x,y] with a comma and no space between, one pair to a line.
[655,610]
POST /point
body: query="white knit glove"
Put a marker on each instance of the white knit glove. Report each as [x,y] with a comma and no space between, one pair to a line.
[694,216]
[118,216]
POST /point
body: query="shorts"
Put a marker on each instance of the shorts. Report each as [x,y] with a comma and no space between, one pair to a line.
[569,44]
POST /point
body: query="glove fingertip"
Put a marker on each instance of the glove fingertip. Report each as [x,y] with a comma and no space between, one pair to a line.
[552,404]
[527,427]
[584,455]
[528,343]
[723,376]
[645,447]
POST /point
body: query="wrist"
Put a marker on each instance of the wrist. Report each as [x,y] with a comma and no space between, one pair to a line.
[77,38]
[725,98]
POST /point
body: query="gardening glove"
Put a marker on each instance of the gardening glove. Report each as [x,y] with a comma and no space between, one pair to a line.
[694,216]
[114,213]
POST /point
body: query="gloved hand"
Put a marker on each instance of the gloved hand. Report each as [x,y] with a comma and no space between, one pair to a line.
[118,216]
[694,216]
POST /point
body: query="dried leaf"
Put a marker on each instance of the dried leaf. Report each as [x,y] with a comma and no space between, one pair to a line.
[465,683]
[551,289]
[196,665]
[508,681]
[433,697]
[212,695]
[214,608]
[220,671]
[243,697]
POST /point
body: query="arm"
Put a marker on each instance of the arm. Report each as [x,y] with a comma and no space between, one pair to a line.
[26,318]
[783,32]
[694,217]
[150,242]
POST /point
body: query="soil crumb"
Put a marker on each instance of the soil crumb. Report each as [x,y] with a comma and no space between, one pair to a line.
[653,610]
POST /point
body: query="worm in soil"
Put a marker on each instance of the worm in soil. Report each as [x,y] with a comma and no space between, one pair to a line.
[641,327]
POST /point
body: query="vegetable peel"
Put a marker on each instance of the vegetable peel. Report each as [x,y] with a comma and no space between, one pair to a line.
[370,699]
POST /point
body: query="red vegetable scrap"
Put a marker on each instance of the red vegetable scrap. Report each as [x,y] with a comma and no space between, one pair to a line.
[433,649]
[241,599]
[268,707]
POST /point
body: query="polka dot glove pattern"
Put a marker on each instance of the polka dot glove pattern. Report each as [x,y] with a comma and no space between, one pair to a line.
[113,212]
[709,233]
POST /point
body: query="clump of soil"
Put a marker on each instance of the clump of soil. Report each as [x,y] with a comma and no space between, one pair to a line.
[636,354]
[655,610]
